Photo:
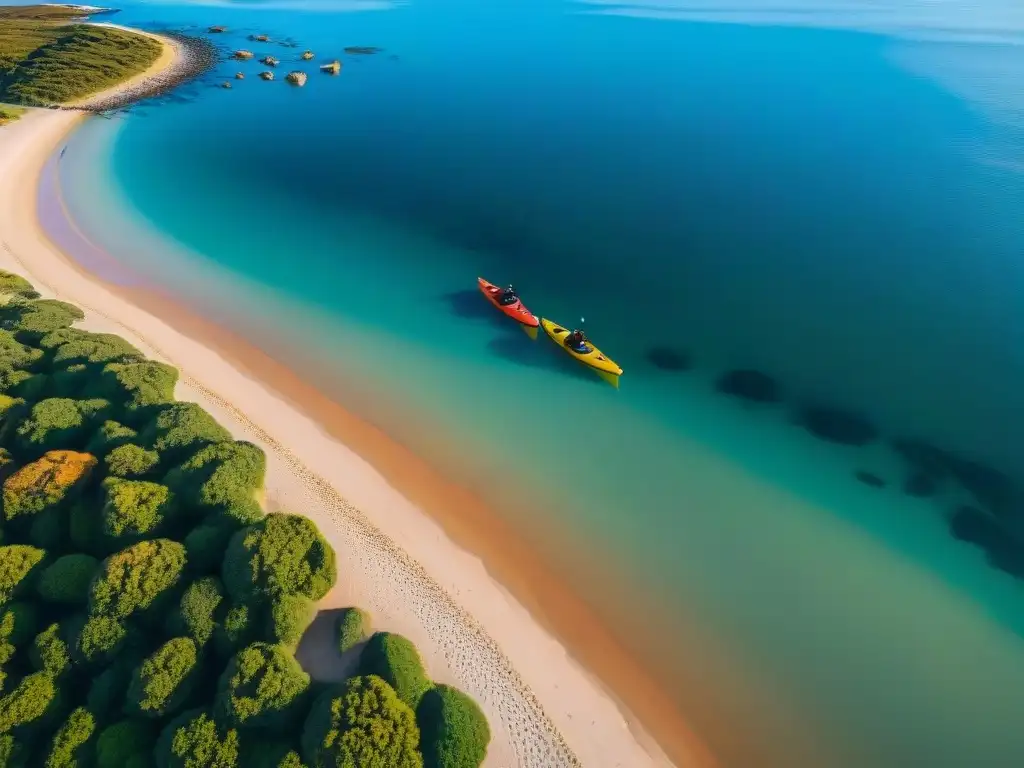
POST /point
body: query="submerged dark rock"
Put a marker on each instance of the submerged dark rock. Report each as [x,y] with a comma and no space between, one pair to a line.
[920,485]
[668,359]
[749,385]
[838,426]
[1003,549]
[869,478]
[362,50]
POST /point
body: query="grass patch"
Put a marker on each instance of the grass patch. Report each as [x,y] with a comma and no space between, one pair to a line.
[10,114]
[44,60]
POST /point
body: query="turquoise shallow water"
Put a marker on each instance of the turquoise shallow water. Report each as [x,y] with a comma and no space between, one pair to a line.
[832,198]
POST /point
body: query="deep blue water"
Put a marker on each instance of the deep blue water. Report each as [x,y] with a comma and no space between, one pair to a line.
[832,198]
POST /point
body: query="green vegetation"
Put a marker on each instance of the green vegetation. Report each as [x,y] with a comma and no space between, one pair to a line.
[9,114]
[149,609]
[45,60]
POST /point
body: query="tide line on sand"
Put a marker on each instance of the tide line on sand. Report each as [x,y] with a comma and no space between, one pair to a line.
[544,709]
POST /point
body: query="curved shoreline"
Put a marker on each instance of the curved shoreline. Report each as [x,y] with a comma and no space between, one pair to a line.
[447,628]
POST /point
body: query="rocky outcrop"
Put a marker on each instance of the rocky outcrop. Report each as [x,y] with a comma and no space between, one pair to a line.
[260,38]
[838,426]
[242,55]
[748,384]
[217,30]
[225,84]
[667,359]
[296,78]
[334,68]
[270,61]
[307,55]
[870,479]
[239,76]
[266,75]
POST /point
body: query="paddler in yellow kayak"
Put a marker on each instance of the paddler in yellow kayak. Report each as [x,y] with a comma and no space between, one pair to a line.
[577,344]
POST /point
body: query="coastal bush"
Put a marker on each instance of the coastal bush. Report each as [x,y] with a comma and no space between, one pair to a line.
[47,482]
[69,382]
[49,652]
[281,554]
[133,579]
[394,659]
[16,285]
[19,567]
[29,321]
[108,690]
[164,680]
[135,509]
[288,619]
[194,739]
[29,387]
[237,630]
[200,607]
[138,387]
[29,701]
[353,627]
[57,423]
[131,461]
[453,729]
[71,745]
[180,429]
[119,743]
[15,356]
[220,473]
[270,754]
[109,436]
[99,639]
[361,723]
[205,546]
[18,624]
[66,580]
[85,528]
[263,687]
[97,349]
[48,529]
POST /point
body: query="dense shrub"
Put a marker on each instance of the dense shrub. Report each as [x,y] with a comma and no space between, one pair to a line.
[361,723]
[453,730]
[67,579]
[71,745]
[31,320]
[94,348]
[131,461]
[395,659]
[288,618]
[138,387]
[270,754]
[120,742]
[15,356]
[70,382]
[220,473]
[205,545]
[131,580]
[85,528]
[50,652]
[29,701]
[263,687]
[18,624]
[19,567]
[30,387]
[108,690]
[98,640]
[179,429]
[239,628]
[164,680]
[47,482]
[195,740]
[281,554]
[49,529]
[57,423]
[200,607]
[134,509]
[16,285]
[353,627]
[109,436]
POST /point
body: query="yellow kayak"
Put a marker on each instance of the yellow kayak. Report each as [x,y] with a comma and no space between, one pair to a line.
[593,358]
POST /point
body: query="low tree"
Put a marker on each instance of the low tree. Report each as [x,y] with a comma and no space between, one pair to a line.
[131,461]
[195,740]
[179,430]
[16,285]
[57,423]
[66,580]
[288,619]
[239,628]
[50,651]
[19,567]
[71,745]
[29,701]
[263,687]
[361,723]
[135,509]
[220,473]
[121,742]
[281,554]
[56,478]
[109,689]
[131,581]
[98,640]
[95,349]
[18,625]
[30,321]
[395,659]
[139,387]
[164,680]
[353,627]
[453,730]
[110,435]
[202,603]
[15,356]
[205,545]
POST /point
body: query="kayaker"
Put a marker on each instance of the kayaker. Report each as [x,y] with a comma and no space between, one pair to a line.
[577,341]
[508,296]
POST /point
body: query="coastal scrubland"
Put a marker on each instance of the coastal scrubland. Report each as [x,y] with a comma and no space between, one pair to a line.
[47,59]
[149,609]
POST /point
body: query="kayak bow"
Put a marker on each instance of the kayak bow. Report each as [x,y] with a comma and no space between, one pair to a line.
[593,358]
[517,310]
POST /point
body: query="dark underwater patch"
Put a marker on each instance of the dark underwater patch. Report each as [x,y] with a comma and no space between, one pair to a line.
[748,384]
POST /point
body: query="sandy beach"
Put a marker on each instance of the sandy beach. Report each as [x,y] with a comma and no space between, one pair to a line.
[545,707]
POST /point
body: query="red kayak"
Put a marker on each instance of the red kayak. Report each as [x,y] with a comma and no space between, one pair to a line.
[515,309]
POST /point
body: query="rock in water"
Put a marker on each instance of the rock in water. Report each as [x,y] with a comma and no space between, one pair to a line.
[668,359]
[260,38]
[749,385]
[838,426]
[266,75]
[333,68]
[225,84]
[362,50]
[919,485]
[242,55]
[270,61]
[217,29]
[307,55]
[296,78]
[871,479]
[239,76]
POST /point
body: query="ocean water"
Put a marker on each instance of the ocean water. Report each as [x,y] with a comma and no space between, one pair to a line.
[827,192]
